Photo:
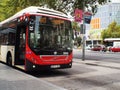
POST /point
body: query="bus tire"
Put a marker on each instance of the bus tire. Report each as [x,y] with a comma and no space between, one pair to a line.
[9,59]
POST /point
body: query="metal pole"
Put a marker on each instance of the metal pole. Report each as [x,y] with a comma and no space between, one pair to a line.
[83,48]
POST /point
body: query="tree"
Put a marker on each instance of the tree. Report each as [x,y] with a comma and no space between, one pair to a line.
[3,14]
[113,31]
[13,6]
[90,5]
[70,5]
[78,39]
[76,26]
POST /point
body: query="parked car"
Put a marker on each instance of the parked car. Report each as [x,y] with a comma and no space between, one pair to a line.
[99,48]
[115,49]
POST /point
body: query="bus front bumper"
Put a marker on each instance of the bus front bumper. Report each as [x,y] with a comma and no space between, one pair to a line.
[35,67]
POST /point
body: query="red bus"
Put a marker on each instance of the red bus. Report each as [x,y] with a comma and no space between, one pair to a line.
[36,39]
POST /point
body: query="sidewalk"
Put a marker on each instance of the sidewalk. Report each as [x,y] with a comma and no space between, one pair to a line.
[12,79]
[99,63]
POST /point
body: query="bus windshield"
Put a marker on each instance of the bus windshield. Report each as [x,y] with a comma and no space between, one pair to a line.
[48,33]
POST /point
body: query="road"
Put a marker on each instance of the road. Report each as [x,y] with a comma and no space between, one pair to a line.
[13,79]
[84,76]
[96,55]
[100,71]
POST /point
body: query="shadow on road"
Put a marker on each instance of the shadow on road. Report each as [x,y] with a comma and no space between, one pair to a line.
[49,73]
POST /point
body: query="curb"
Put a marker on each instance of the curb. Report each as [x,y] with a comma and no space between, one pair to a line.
[98,63]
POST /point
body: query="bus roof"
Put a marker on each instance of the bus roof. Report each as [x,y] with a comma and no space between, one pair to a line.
[112,39]
[36,10]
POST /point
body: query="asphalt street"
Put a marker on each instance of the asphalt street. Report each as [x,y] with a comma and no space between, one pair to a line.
[86,75]
[100,71]
[97,56]
[12,79]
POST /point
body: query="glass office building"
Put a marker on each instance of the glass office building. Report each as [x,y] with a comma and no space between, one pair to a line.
[105,15]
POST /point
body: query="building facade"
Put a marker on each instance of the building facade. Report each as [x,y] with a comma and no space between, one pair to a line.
[105,15]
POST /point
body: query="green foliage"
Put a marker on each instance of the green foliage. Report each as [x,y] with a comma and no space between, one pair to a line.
[91,5]
[113,31]
[78,41]
[3,12]
[76,26]
[10,7]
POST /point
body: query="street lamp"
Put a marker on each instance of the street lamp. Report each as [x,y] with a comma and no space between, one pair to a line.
[83,28]
[86,19]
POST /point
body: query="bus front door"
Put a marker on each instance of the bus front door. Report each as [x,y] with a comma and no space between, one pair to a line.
[20,45]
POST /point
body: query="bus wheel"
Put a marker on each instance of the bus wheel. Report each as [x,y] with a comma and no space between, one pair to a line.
[9,60]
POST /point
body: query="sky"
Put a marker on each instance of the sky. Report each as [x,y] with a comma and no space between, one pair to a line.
[115,1]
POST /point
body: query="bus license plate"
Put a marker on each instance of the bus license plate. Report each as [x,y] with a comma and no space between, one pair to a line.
[55,66]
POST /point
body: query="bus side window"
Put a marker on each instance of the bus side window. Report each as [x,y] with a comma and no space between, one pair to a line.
[11,38]
[5,40]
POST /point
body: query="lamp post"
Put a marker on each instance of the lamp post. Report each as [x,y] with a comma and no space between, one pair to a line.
[81,15]
[83,41]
